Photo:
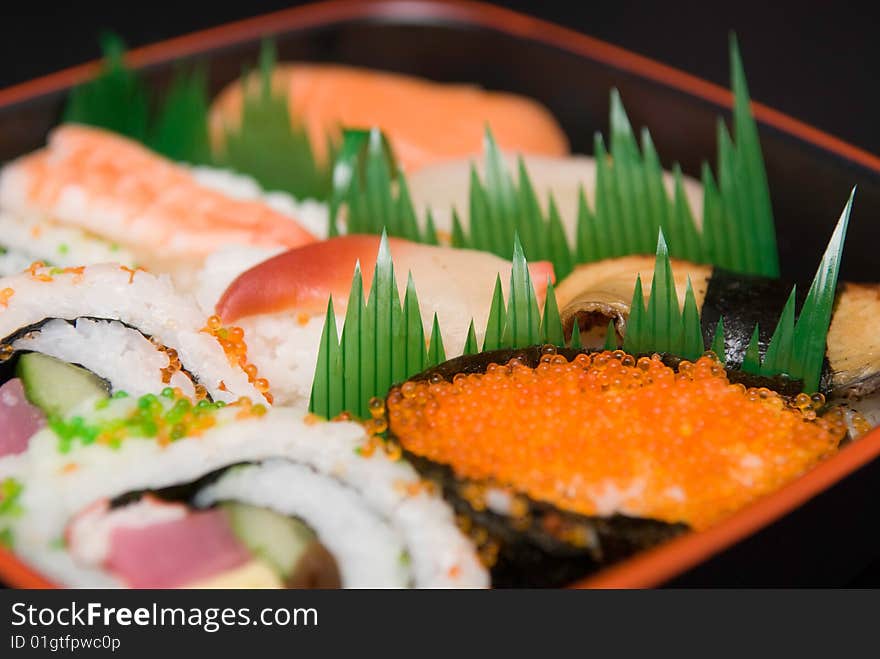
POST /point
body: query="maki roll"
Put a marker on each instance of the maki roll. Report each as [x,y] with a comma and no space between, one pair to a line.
[244,496]
[71,335]
[562,461]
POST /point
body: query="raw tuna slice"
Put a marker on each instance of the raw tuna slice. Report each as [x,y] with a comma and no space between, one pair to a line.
[175,553]
[19,420]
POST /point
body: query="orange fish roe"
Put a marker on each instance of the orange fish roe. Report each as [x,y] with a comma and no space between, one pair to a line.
[165,418]
[605,433]
[6,295]
[78,272]
[131,272]
[232,341]
[37,271]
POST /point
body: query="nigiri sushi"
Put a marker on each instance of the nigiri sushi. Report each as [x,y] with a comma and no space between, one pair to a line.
[446,185]
[632,452]
[112,187]
[414,113]
[281,302]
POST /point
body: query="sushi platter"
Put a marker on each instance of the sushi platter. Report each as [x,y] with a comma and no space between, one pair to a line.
[312,301]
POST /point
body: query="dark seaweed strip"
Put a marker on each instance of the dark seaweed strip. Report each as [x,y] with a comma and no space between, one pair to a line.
[744,301]
[5,373]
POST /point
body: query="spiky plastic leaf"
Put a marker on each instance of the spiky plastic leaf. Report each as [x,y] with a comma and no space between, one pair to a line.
[691,334]
[373,190]
[610,337]
[718,345]
[382,343]
[752,359]
[327,386]
[269,145]
[663,310]
[414,333]
[116,99]
[575,341]
[781,344]
[637,325]
[436,352]
[470,345]
[663,326]
[551,322]
[180,128]
[523,326]
[344,171]
[494,336]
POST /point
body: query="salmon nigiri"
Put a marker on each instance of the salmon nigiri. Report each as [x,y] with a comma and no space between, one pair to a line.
[426,122]
[117,189]
[457,284]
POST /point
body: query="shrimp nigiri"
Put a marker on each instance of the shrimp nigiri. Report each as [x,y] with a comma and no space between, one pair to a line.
[426,122]
[113,187]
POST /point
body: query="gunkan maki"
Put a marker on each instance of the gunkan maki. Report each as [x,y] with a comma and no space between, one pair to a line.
[561,461]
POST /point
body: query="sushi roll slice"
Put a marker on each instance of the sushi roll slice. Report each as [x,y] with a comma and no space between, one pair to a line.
[70,335]
[242,496]
[631,451]
[281,302]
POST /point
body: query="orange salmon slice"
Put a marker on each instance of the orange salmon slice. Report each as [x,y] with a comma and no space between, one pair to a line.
[425,121]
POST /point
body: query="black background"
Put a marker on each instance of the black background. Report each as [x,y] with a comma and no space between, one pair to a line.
[819,62]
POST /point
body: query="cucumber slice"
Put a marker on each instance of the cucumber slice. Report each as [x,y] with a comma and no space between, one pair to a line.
[57,387]
[279,540]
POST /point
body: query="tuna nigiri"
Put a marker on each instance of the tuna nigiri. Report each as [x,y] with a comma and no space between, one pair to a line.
[110,186]
[426,122]
[281,302]
[457,283]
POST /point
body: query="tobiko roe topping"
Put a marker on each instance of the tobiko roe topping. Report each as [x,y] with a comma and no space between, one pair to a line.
[606,433]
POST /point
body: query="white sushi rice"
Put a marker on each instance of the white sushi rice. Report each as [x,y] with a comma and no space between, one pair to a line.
[366,548]
[60,485]
[142,300]
[285,350]
[222,267]
[125,358]
[28,240]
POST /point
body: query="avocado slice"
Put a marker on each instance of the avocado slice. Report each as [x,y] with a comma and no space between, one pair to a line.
[55,386]
[279,540]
